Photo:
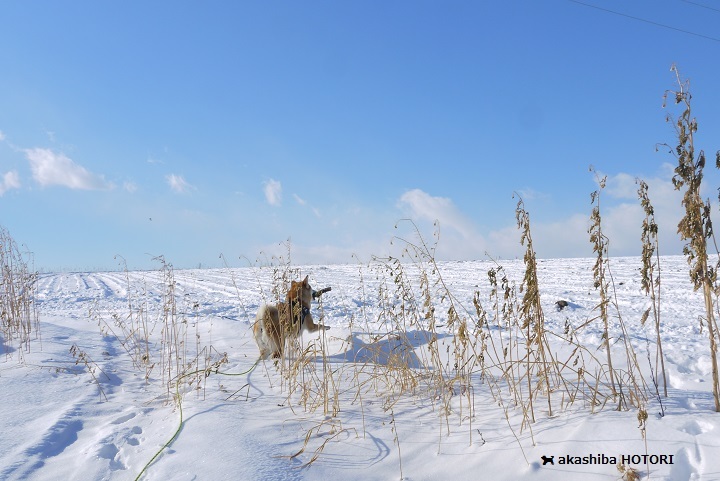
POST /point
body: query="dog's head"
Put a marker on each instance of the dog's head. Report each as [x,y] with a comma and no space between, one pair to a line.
[300,291]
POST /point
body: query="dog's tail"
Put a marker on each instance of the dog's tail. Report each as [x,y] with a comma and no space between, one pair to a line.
[260,313]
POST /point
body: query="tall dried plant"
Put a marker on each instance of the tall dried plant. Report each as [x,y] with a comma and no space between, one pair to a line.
[19,322]
[539,356]
[600,247]
[650,275]
[696,226]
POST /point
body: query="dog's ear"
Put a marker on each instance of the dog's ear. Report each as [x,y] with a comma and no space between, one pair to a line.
[306,282]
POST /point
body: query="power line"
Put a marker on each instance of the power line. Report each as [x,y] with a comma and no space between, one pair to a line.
[703,6]
[647,21]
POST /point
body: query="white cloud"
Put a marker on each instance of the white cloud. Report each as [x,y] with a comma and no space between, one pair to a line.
[2,136]
[566,237]
[458,235]
[273,192]
[178,183]
[130,186]
[622,186]
[421,205]
[11,180]
[334,253]
[53,168]
[532,194]
[368,232]
[303,202]
[622,218]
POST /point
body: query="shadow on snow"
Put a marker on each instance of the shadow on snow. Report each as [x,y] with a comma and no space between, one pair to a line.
[387,349]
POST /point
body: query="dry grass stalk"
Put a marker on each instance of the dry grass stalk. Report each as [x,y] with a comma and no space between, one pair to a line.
[164,335]
[628,473]
[538,354]
[82,357]
[335,430]
[628,387]
[650,279]
[132,329]
[600,248]
[696,225]
[19,322]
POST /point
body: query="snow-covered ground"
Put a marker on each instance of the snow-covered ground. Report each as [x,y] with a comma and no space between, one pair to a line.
[76,407]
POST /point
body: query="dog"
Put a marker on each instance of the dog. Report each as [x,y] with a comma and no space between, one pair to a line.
[275,323]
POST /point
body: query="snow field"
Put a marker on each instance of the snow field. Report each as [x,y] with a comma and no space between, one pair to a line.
[362,402]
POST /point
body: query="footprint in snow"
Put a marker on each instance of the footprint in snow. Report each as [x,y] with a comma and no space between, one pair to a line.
[124,418]
[110,452]
[687,465]
[111,448]
[696,427]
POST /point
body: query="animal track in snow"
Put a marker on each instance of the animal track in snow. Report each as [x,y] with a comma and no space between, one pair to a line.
[57,438]
[111,447]
[110,452]
[687,465]
[124,418]
[132,440]
[696,427]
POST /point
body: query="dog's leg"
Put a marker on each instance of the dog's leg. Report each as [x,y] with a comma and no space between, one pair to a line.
[259,332]
[310,325]
[274,333]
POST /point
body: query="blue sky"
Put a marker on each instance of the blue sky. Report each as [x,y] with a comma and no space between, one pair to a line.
[194,129]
